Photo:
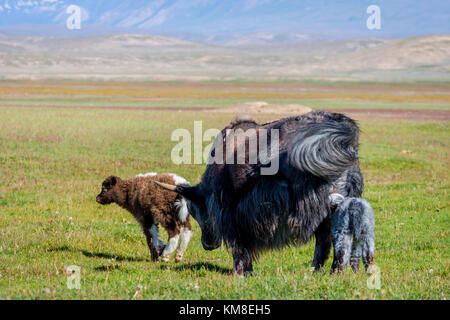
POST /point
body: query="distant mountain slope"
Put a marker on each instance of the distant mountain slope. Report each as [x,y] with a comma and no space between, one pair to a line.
[134,56]
[399,54]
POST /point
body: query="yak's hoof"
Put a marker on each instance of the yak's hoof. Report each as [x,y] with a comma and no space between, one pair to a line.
[165,259]
[244,274]
[178,258]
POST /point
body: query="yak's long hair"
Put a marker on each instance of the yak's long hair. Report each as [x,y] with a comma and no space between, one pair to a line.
[324,149]
[275,213]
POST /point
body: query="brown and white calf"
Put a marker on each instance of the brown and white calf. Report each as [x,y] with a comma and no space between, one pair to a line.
[150,206]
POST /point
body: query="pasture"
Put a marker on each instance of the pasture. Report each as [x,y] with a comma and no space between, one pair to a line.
[59,140]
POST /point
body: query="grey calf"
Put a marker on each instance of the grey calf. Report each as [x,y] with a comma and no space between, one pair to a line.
[352,224]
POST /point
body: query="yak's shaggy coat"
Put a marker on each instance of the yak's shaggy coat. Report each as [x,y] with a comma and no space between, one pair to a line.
[150,206]
[252,212]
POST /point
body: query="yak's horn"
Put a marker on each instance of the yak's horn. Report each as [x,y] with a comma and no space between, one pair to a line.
[166,186]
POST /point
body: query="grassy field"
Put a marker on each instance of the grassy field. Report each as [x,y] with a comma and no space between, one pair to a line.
[216,95]
[53,160]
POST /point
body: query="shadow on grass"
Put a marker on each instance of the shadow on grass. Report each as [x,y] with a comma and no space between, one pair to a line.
[204,266]
[110,256]
[57,249]
[102,255]
[198,266]
[107,268]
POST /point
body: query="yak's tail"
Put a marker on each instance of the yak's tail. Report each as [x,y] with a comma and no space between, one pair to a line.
[325,148]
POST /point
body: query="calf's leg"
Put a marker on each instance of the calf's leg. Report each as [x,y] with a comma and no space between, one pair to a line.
[185,237]
[172,244]
[155,245]
[342,251]
[368,253]
[357,249]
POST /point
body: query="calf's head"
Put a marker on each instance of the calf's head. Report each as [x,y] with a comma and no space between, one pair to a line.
[109,191]
[200,210]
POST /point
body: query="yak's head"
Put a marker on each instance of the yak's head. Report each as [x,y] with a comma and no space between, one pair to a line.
[109,193]
[201,211]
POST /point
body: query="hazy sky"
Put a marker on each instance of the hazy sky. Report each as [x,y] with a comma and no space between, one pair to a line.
[336,19]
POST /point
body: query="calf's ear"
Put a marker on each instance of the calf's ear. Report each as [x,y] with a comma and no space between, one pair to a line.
[111,181]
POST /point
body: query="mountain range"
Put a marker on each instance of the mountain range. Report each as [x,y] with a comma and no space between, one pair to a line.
[151,57]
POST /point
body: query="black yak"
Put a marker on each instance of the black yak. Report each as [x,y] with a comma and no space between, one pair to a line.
[316,154]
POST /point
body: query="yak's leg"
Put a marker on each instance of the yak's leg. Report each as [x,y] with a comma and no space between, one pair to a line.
[242,262]
[185,237]
[323,244]
[171,245]
[154,243]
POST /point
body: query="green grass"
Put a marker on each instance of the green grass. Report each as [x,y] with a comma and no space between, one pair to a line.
[55,160]
[61,101]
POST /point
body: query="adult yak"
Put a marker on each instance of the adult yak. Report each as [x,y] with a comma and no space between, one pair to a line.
[315,154]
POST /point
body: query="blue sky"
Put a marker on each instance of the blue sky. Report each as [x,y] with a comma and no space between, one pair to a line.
[332,19]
